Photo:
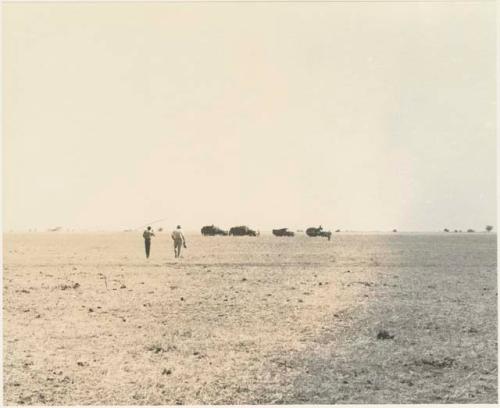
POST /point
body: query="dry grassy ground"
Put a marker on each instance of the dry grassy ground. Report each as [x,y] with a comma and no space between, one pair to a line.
[87,320]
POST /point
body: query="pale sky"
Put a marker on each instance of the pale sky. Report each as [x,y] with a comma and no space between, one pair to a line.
[354,116]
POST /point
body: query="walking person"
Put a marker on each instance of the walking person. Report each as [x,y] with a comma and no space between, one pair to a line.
[179,241]
[147,234]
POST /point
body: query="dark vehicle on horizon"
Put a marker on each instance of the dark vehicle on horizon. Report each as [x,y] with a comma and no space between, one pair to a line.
[242,231]
[212,230]
[318,232]
[283,232]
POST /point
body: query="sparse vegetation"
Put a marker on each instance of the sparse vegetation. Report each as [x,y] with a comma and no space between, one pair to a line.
[489,228]
[262,321]
[75,285]
[436,362]
[384,335]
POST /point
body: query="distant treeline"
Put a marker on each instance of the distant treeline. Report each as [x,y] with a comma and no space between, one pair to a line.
[488,228]
[241,230]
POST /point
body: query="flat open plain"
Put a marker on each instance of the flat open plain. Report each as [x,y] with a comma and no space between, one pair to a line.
[88,320]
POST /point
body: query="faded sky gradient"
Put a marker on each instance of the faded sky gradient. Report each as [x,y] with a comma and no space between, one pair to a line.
[355,116]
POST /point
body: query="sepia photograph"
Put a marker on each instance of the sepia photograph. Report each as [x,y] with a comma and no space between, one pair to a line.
[228,202]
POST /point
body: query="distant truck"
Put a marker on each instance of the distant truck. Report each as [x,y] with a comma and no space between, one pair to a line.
[243,230]
[212,230]
[318,232]
[283,232]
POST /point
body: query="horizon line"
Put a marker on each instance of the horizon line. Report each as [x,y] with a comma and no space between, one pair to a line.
[336,231]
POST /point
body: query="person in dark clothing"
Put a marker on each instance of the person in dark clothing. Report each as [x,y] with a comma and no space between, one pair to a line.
[147,234]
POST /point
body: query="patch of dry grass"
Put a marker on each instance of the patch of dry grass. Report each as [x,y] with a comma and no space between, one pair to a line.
[88,320]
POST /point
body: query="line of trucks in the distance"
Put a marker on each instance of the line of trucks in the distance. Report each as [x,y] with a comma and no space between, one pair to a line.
[212,230]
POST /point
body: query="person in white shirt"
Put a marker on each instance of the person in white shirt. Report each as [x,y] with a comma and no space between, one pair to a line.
[179,241]
[147,234]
